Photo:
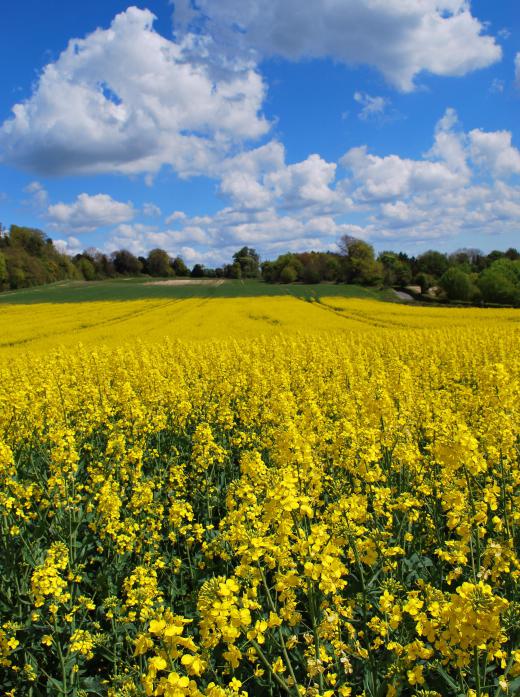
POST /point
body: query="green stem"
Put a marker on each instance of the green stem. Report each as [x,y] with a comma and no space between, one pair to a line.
[280,634]
[281,682]
[476,668]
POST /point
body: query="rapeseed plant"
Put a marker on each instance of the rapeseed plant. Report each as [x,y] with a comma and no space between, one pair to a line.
[318,514]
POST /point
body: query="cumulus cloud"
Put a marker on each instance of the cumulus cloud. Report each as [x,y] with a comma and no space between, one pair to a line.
[125,99]
[465,182]
[495,152]
[383,178]
[399,38]
[450,145]
[87,213]
[458,185]
[261,178]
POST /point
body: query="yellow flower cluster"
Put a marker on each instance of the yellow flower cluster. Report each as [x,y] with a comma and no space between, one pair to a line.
[315,514]
[47,580]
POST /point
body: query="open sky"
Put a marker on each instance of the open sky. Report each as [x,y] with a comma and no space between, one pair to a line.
[278,124]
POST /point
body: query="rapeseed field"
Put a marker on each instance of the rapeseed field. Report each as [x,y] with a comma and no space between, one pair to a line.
[259,497]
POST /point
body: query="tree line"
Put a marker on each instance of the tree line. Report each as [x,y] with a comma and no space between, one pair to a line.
[28,257]
[467,275]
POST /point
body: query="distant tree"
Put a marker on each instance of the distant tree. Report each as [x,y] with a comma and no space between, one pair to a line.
[249,261]
[288,274]
[360,265]
[457,284]
[233,270]
[396,271]
[268,271]
[17,278]
[314,266]
[144,264]
[468,258]
[512,254]
[432,263]
[158,263]
[126,263]
[179,267]
[102,263]
[311,273]
[197,271]
[500,283]
[3,270]
[86,268]
[30,239]
[331,267]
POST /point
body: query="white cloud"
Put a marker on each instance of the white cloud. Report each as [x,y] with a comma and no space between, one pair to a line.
[39,196]
[457,186]
[372,107]
[495,152]
[260,178]
[71,246]
[517,69]
[176,215]
[126,99]
[87,213]
[382,178]
[450,144]
[151,210]
[304,183]
[436,197]
[400,38]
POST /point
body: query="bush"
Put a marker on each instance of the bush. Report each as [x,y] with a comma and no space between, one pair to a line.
[288,274]
[456,284]
[496,287]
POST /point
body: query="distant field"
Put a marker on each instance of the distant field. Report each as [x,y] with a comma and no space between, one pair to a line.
[141,289]
[39,327]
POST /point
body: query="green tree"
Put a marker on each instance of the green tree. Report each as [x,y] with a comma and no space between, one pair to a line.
[396,271]
[331,267]
[311,273]
[126,263]
[500,283]
[249,261]
[233,270]
[158,263]
[179,267]
[3,270]
[433,263]
[197,271]
[360,264]
[288,274]
[457,284]
[30,239]
[16,277]
[86,268]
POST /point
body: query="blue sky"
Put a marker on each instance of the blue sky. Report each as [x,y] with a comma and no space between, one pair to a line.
[270,123]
